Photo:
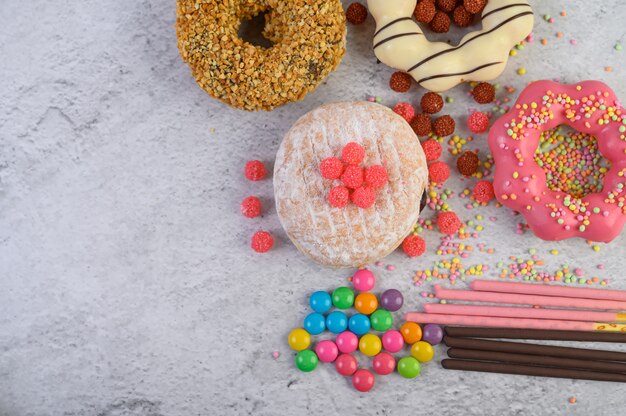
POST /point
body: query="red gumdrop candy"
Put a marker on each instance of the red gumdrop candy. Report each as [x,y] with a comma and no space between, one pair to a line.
[352,153]
[483,191]
[262,242]
[432,149]
[478,122]
[405,110]
[255,170]
[364,197]
[414,246]
[331,168]
[352,176]
[376,176]
[251,207]
[339,196]
[439,172]
[448,222]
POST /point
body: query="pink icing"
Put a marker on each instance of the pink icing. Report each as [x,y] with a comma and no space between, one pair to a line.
[519,183]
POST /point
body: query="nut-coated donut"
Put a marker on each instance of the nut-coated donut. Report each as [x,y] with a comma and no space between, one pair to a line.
[308,42]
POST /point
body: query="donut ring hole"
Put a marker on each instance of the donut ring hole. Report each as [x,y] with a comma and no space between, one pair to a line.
[252,29]
[455,34]
[571,161]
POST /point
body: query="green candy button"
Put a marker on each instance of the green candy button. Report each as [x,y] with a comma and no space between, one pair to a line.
[343,297]
[381,320]
[409,367]
[306,361]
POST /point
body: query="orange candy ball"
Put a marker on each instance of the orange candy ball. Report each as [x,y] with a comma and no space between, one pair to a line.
[366,303]
[411,332]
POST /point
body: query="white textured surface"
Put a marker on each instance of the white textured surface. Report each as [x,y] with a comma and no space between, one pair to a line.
[127,284]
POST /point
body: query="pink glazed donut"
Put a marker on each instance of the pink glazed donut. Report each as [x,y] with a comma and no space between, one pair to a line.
[519,183]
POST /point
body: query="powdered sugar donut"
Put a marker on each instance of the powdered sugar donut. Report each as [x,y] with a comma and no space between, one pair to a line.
[590,107]
[480,56]
[349,236]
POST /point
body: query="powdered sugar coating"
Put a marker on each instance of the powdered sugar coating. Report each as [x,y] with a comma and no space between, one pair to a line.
[351,236]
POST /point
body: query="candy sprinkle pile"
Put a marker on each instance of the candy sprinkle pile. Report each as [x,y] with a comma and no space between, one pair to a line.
[534,115]
[571,161]
[527,269]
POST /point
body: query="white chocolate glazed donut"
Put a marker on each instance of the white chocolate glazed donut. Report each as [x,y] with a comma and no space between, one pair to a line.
[437,66]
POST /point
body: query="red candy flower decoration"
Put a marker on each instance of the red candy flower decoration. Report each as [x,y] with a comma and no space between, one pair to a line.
[359,185]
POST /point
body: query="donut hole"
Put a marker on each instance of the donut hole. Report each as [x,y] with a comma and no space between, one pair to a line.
[251,29]
[454,35]
[457,29]
[571,161]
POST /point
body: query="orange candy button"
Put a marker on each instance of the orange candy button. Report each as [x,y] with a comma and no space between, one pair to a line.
[411,332]
[366,303]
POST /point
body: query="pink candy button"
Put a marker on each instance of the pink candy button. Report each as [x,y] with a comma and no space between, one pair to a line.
[326,351]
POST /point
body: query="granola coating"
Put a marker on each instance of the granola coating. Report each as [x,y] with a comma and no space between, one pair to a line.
[308,38]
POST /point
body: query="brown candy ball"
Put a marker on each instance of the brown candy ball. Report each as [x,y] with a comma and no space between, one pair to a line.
[446,5]
[421,124]
[431,103]
[467,163]
[356,13]
[461,17]
[440,23]
[425,11]
[474,6]
[484,93]
[444,126]
[400,81]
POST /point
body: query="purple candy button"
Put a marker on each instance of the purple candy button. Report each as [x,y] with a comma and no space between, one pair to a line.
[392,300]
[433,334]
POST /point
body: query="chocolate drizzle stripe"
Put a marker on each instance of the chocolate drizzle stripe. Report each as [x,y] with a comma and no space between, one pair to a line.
[458,73]
[510,19]
[505,7]
[391,24]
[400,35]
